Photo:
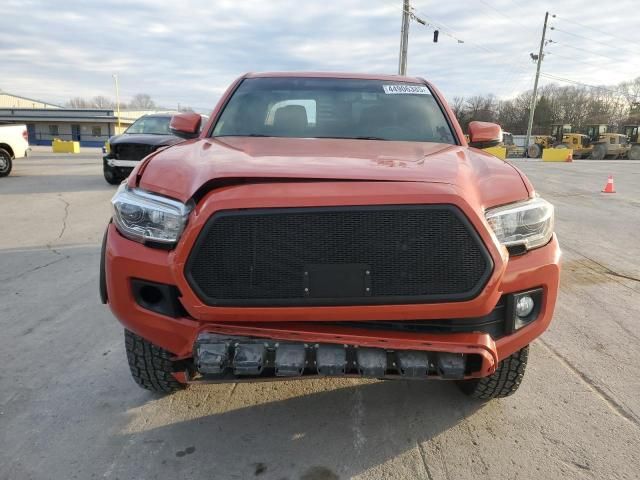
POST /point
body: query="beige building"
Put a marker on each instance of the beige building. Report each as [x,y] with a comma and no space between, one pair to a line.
[46,121]
[8,100]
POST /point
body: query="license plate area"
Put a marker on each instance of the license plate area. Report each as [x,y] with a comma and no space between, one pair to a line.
[337,280]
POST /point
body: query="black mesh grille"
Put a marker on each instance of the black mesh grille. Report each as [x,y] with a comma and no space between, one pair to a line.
[412,253]
[131,151]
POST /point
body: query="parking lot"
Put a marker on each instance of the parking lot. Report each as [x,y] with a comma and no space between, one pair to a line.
[69,409]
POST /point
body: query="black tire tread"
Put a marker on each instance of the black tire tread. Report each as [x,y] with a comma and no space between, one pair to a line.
[503,382]
[151,366]
[8,156]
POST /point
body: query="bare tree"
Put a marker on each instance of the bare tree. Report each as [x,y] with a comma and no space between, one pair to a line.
[102,102]
[576,105]
[142,101]
[79,102]
[457,105]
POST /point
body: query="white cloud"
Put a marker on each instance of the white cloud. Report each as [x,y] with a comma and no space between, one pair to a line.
[189,51]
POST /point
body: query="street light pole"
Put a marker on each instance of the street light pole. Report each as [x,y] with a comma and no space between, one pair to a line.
[115,78]
[534,98]
[404,38]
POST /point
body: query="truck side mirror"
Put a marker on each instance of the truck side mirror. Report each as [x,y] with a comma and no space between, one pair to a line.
[185,125]
[484,134]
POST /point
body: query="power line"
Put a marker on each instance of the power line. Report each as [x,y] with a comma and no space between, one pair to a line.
[591,63]
[450,32]
[591,39]
[511,67]
[430,24]
[625,40]
[508,17]
[591,52]
[627,95]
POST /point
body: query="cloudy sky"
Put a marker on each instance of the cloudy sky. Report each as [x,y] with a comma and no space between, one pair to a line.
[188,51]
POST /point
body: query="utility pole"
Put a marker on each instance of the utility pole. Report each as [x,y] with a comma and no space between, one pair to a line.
[115,79]
[404,38]
[534,98]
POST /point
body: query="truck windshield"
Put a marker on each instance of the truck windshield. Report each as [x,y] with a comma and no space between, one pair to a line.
[334,108]
[150,126]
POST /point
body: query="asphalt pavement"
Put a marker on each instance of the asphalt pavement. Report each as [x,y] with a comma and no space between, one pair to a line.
[69,409]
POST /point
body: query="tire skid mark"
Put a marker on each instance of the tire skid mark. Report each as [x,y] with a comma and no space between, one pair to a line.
[232,390]
[357,419]
[438,446]
[423,456]
[614,404]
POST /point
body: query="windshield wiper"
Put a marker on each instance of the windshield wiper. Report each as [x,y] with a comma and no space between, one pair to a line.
[358,138]
[284,136]
[242,135]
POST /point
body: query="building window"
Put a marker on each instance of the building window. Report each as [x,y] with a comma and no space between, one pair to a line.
[53,130]
[96,131]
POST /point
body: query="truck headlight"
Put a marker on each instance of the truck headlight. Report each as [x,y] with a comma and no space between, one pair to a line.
[145,217]
[526,224]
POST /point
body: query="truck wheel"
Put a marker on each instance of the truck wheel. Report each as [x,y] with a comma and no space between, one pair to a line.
[111,175]
[599,151]
[5,163]
[503,382]
[534,151]
[151,366]
[634,153]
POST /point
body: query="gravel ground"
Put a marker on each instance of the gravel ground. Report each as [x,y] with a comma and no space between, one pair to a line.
[68,408]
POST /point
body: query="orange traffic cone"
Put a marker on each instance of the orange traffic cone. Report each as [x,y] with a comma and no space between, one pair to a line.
[609,188]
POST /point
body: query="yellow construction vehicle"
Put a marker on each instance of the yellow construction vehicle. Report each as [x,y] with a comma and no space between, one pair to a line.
[594,132]
[578,142]
[507,142]
[611,145]
[631,132]
[596,143]
[605,144]
[540,142]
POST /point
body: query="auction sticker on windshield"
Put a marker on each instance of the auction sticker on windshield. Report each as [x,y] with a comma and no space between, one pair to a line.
[406,89]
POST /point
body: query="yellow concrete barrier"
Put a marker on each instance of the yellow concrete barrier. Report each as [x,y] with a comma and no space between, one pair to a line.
[500,152]
[61,146]
[557,155]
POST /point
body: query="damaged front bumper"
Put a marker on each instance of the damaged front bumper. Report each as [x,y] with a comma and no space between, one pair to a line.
[220,357]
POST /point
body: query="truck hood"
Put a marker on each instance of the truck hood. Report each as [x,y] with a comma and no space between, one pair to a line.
[180,171]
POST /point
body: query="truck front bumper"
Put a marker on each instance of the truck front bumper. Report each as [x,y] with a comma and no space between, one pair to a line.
[180,328]
[114,162]
[148,291]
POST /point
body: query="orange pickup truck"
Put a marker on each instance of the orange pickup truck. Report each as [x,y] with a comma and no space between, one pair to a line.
[334,225]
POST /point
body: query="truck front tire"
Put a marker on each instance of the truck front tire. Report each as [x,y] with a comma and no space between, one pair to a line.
[503,382]
[5,163]
[151,366]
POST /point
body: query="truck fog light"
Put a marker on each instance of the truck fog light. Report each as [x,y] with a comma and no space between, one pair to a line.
[524,306]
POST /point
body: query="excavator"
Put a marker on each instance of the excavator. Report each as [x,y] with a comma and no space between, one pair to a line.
[540,142]
[631,132]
